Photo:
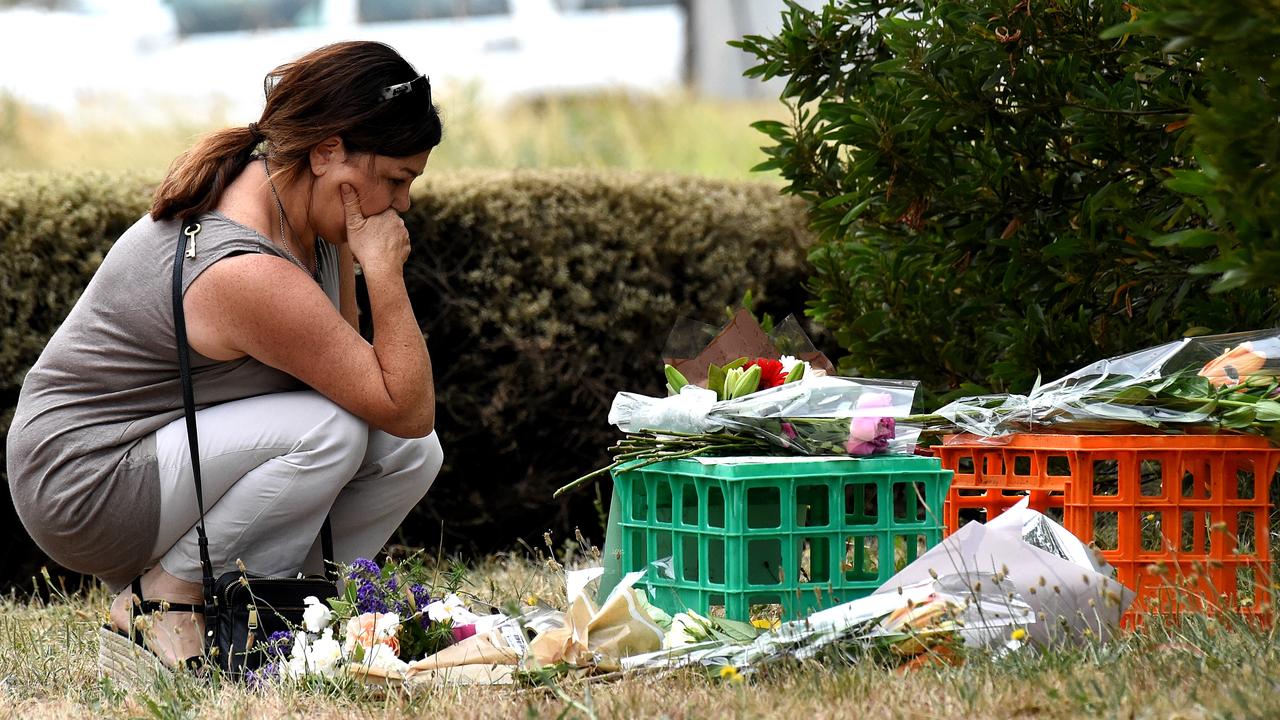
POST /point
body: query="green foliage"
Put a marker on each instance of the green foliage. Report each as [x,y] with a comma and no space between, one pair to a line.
[988,180]
[1234,188]
[542,293]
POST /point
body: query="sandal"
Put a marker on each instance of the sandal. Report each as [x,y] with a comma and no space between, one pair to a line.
[124,657]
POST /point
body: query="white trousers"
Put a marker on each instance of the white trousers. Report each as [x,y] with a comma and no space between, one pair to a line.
[272,468]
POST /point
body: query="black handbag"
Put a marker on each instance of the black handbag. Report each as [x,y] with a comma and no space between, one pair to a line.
[241,610]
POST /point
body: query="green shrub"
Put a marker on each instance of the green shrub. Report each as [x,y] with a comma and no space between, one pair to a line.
[542,294]
[1234,189]
[988,179]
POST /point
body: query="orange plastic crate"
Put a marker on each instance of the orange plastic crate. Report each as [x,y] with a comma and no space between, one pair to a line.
[1182,518]
[991,478]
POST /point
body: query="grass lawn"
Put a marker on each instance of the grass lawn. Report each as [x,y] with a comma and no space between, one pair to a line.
[1197,669]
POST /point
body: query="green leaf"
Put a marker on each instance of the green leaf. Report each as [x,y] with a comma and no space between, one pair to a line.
[1194,238]
[1133,395]
[838,200]
[1238,418]
[773,164]
[715,379]
[1190,182]
[855,212]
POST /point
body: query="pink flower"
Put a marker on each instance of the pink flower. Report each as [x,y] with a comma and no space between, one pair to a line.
[870,435]
[462,632]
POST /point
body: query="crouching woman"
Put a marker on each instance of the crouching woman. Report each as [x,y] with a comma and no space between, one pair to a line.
[299,418]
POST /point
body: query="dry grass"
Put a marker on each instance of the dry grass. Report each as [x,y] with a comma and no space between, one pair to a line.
[1199,669]
[663,133]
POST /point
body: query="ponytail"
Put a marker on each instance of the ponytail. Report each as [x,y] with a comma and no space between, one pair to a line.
[198,177]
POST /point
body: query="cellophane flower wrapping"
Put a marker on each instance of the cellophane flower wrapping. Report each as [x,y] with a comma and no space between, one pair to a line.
[925,618]
[825,415]
[1218,382]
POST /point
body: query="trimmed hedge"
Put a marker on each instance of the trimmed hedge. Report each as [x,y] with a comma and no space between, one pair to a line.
[542,294]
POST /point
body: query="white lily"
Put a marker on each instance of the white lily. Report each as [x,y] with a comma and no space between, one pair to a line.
[451,608]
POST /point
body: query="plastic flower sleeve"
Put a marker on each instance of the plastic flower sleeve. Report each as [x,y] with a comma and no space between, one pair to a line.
[1219,382]
[824,415]
[827,416]
[687,412]
[925,614]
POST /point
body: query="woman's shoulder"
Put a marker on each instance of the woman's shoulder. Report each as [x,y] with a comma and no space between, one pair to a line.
[214,227]
[218,225]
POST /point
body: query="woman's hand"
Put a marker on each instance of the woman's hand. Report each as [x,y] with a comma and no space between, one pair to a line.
[380,243]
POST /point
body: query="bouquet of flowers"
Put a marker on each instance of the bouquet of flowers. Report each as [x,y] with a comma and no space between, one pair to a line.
[759,402]
[1214,383]
[929,622]
[385,618]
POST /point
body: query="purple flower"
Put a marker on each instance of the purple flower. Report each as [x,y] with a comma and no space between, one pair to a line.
[369,598]
[364,569]
[279,644]
[260,679]
[421,598]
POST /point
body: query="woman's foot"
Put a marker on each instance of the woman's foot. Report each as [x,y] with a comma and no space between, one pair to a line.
[172,635]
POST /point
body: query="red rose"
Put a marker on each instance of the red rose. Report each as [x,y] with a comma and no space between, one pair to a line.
[771,374]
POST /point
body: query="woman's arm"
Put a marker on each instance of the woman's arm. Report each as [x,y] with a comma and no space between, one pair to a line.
[347,286]
[268,308]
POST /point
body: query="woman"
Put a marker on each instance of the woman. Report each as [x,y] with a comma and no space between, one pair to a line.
[298,416]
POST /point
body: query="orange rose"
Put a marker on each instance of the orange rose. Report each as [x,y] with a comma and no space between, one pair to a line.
[372,629]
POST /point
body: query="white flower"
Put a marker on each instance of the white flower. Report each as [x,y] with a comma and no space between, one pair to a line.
[320,656]
[316,616]
[789,363]
[452,609]
[687,627]
[384,658]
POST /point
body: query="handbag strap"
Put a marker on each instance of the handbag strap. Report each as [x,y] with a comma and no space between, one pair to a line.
[187,248]
[187,245]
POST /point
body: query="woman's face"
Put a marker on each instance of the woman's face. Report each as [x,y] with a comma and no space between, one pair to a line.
[381,181]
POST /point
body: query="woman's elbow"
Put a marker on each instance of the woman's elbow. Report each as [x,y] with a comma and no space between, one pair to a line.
[417,424]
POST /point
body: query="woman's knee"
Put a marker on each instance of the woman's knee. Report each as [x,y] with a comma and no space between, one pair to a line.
[336,439]
[417,462]
[430,457]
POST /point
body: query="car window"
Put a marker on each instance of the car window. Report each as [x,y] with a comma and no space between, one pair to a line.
[211,16]
[392,10]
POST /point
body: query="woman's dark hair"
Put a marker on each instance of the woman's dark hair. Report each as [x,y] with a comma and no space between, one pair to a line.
[334,90]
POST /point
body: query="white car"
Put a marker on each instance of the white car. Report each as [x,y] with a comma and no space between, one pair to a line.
[212,54]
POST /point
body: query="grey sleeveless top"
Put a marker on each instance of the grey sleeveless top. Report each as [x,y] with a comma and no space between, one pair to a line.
[108,379]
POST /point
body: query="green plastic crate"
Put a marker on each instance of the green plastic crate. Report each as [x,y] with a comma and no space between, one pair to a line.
[803,534]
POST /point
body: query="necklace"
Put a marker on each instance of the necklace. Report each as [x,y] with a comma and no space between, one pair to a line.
[284,243]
